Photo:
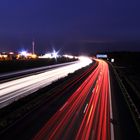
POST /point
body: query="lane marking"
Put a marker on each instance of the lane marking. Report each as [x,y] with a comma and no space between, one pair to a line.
[63,106]
[111,114]
[85,108]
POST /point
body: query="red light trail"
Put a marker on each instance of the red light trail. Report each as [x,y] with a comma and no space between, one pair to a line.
[86,114]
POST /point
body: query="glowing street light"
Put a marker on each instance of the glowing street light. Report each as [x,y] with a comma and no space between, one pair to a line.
[55,54]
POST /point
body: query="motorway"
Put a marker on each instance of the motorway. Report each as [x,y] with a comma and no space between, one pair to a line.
[80,113]
[86,114]
[11,91]
[79,109]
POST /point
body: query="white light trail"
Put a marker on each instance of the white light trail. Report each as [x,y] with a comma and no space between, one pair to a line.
[13,90]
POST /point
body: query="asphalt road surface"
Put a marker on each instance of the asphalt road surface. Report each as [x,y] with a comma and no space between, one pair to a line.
[89,112]
[86,114]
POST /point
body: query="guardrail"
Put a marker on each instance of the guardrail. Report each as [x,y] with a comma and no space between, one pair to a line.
[130,103]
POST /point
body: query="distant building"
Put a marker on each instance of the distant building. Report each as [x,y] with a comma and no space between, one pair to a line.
[13,56]
[8,56]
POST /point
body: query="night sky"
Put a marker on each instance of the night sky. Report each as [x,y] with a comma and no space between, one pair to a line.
[74,25]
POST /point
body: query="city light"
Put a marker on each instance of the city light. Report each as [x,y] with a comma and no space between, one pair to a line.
[68,56]
[55,54]
[23,53]
[26,55]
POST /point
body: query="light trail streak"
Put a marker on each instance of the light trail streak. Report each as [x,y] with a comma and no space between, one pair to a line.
[74,123]
[13,90]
